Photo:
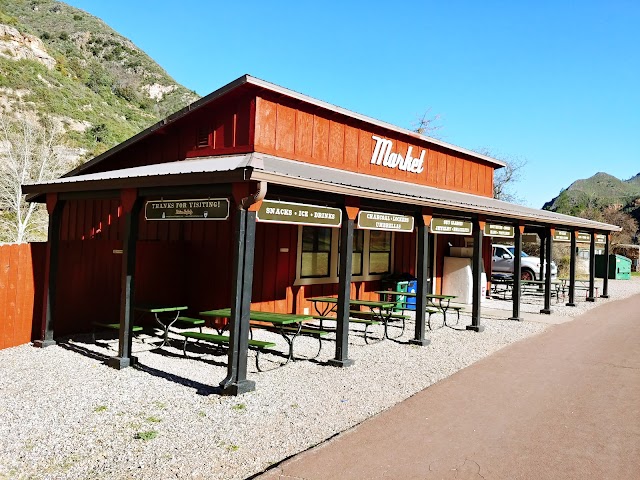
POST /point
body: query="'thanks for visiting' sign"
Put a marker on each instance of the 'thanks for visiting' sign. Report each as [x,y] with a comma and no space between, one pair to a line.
[189,209]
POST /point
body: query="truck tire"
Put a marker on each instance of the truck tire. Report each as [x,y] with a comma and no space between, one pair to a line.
[527,274]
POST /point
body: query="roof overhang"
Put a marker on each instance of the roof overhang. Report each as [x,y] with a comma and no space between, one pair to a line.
[280,171]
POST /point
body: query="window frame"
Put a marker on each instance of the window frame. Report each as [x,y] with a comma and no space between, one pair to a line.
[334,257]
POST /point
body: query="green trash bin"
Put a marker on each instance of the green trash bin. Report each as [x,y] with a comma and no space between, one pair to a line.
[619,267]
[396,286]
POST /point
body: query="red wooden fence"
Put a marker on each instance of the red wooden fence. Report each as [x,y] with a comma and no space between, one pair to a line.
[21,283]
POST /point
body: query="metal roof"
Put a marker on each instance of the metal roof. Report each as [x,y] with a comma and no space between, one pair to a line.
[276,170]
[249,80]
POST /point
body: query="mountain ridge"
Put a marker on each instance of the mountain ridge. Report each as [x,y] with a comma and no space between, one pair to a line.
[599,191]
[62,62]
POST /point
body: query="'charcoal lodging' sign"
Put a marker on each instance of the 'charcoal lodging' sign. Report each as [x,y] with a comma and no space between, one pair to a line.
[451,226]
[299,214]
[385,221]
[495,230]
[189,209]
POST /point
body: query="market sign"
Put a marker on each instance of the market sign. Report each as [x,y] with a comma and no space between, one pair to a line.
[299,214]
[382,155]
[385,221]
[189,209]
[582,237]
[503,231]
[453,227]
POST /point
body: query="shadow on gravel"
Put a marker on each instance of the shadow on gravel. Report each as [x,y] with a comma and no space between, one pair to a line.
[200,388]
[82,350]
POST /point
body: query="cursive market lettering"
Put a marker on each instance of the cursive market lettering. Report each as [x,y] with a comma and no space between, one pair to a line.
[382,155]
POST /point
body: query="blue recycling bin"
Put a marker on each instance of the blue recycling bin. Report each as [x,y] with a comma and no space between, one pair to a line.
[411,301]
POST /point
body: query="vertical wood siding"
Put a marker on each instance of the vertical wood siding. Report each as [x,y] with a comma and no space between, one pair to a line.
[228,124]
[304,133]
[21,288]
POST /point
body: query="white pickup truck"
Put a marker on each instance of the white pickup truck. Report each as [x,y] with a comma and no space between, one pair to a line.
[502,262]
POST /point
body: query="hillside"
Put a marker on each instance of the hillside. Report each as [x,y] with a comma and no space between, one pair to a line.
[61,61]
[597,192]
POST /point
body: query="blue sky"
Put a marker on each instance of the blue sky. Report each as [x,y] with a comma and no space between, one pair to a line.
[553,82]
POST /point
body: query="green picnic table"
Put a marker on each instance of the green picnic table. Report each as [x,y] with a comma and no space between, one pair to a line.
[380,310]
[165,316]
[288,325]
[444,302]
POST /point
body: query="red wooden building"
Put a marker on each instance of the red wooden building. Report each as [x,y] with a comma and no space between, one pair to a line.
[257,150]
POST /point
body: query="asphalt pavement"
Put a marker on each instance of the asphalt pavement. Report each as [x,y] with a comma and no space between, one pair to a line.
[561,405]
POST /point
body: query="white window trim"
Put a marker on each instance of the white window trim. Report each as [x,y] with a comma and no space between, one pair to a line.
[333,262]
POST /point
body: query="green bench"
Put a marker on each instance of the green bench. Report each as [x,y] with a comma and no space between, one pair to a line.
[110,326]
[190,322]
[258,345]
[367,322]
[307,331]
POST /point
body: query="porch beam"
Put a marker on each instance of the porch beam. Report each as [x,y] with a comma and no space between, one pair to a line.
[517,272]
[572,270]
[423,221]
[131,206]
[592,267]
[349,214]
[478,230]
[605,280]
[54,207]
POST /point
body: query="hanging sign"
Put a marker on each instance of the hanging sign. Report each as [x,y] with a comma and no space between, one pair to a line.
[503,231]
[299,214]
[189,209]
[582,237]
[561,236]
[453,227]
[385,221]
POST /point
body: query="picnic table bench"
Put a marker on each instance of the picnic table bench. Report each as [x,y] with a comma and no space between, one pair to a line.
[258,345]
[288,325]
[581,284]
[379,311]
[442,306]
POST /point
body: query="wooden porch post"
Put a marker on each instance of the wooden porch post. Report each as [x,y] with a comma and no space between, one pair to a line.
[517,272]
[592,267]
[131,205]
[54,207]
[478,230]
[236,382]
[349,214]
[572,270]
[547,275]
[543,248]
[605,280]
[423,221]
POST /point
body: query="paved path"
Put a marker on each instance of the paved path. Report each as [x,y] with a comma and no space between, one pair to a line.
[561,405]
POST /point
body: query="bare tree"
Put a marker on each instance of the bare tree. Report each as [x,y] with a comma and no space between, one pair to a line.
[427,124]
[505,178]
[30,151]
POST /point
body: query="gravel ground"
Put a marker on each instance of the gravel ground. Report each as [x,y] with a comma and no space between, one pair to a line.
[66,415]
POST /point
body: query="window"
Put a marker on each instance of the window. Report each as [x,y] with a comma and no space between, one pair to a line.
[318,255]
[316,252]
[358,249]
[202,137]
[379,252]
